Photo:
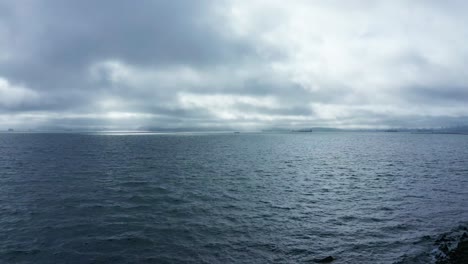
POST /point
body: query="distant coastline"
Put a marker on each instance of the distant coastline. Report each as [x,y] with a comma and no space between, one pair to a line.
[458,130]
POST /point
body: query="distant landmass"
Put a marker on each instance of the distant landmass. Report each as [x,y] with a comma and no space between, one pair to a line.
[462,130]
[441,130]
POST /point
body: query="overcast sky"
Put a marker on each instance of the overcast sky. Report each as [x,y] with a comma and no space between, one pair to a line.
[239,64]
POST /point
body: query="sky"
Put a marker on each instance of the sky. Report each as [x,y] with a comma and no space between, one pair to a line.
[240,64]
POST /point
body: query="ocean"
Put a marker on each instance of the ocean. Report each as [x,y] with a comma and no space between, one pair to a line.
[360,197]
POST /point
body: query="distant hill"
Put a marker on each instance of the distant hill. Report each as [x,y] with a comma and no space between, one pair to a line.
[439,130]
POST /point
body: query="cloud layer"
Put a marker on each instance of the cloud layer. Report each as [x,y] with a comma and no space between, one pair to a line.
[232,64]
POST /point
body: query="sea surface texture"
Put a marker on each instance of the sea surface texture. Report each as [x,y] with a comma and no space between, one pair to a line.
[229,198]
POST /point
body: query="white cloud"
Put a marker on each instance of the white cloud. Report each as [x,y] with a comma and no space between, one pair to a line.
[118,72]
[15,95]
[229,107]
[370,47]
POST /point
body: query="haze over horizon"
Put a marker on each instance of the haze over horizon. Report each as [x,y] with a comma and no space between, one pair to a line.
[233,64]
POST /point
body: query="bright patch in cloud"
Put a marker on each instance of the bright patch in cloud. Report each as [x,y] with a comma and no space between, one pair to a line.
[15,95]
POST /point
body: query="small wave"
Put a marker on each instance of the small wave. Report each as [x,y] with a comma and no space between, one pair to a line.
[397,227]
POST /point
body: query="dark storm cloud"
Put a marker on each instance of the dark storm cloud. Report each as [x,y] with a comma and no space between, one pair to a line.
[241,64]
[147,32]
[55,41]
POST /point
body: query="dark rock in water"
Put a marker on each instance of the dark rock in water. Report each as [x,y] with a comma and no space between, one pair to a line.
[464,236]
[444,248]
[453,252]
[443,238]
[325,260]
[460,254]
[457,256]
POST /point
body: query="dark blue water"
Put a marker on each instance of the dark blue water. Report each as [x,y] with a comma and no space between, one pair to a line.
[229,198]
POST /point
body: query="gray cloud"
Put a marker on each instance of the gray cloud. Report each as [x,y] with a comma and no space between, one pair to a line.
[240,64]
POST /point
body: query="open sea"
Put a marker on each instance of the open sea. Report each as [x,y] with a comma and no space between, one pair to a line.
[229,198]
